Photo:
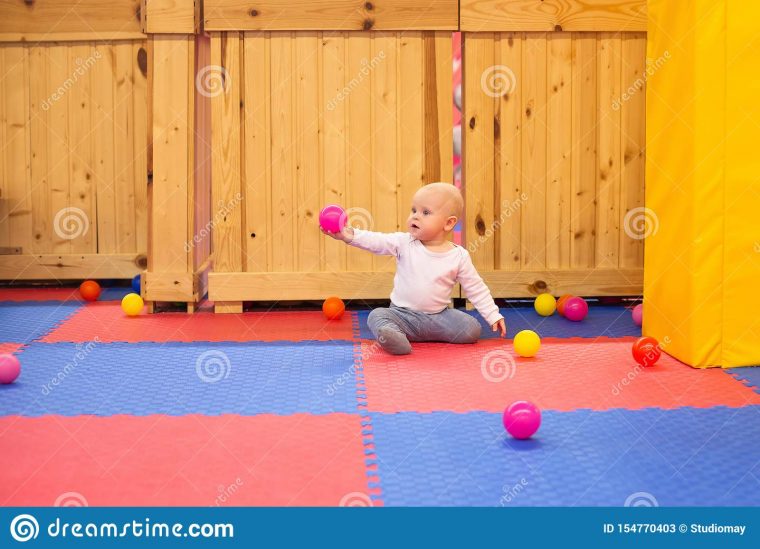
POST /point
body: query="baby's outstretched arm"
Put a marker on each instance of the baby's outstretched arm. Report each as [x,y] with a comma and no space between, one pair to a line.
[479,295]
[377,243]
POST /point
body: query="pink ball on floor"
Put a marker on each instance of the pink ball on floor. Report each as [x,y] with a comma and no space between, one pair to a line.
[10,368]
[522,419]
[637,314]
[576,309]
[332,218]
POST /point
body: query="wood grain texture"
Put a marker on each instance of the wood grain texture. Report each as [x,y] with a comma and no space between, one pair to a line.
[553,15]
[356,15]
[56,20]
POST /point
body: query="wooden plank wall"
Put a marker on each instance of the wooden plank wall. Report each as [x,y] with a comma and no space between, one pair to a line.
[554,159]
[73,166]
[312,118]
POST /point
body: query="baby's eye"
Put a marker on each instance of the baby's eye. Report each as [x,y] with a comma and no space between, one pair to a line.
[414,210]
[426,212]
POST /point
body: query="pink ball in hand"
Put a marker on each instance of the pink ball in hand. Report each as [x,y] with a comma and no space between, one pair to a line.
[332,218]
[637,314]
[576,309]
[522,419]
[10,368]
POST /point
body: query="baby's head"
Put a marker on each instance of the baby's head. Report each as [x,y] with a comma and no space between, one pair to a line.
[435,210]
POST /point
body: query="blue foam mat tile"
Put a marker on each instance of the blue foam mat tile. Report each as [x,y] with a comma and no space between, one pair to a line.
[686,456]
[182,378]
[26,321]
[602,321]
[114,294]
[749,375]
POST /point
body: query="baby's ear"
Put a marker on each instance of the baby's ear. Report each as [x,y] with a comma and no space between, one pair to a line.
[451,222]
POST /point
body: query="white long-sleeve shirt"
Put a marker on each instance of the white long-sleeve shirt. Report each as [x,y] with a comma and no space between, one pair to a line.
[424,279]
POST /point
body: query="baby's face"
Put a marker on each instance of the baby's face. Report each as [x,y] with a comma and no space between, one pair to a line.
[429,215]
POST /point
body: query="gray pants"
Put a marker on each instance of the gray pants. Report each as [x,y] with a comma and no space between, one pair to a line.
[395,327]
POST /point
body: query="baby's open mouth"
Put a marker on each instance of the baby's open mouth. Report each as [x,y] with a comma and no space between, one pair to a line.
[414,226]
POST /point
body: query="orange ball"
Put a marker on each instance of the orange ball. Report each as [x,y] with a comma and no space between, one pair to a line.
[561,304]
[333,308]
[90,290]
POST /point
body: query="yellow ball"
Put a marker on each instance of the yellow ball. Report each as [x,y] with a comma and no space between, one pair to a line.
[132,304]
[545,304]
[527,343]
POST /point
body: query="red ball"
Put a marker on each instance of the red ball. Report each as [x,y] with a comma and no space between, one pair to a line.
[561,304]
[90,290]
[333,308]
[646,351]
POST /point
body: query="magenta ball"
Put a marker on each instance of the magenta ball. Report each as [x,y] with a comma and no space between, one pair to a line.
[522,419]
[637,313]
[10,368]
[576,309]
[332,218]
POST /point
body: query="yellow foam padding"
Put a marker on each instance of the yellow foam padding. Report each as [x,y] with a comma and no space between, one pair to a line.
[702,255]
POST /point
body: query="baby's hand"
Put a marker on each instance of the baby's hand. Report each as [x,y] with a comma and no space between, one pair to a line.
[499,324]
[346,235]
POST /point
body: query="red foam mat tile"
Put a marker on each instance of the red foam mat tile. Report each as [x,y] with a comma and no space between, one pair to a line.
[564,376]
[39,294]
[189,460]
[9,348]
[109,323]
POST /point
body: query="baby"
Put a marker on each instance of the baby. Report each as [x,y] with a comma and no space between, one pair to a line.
[428,265]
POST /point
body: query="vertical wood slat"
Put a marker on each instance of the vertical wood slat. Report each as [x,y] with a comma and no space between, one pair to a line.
[226,161]
[333,143]
[38,127]
[478,146]
[59,138]
[283,242]
[384,125]
[584,130]
[307,137]
[559,147]
[258,182]
[359,140]
[170,153]
[633,142]
[534,237]
[82,226]
[608,174]
[104,150]
[508,155]
[123,127]
[140,145]
[16,146]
